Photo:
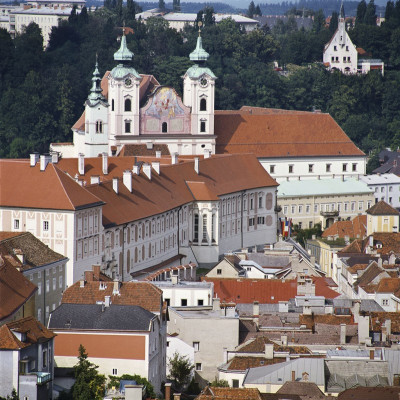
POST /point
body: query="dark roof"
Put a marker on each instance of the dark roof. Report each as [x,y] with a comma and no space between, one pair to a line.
[309,389]
[35,252]
[96,316]
[142,150]
[382,208]
[370,393]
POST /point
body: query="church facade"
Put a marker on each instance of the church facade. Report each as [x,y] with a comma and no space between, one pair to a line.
[126,108]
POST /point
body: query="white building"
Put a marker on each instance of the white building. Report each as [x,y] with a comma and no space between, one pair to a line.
[324,201]
[386,188]
[340,52]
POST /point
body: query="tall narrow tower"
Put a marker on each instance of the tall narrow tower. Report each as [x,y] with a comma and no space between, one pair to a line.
[123,97]
[199,92]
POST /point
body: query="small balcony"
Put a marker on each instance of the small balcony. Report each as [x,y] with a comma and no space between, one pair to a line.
[278,208]
[331,214]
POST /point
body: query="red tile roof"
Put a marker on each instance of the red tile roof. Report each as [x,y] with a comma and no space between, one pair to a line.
[278,133]
[370,393]
[15,289]
[242,363]
[382,208]
[201,191]
[142,150]
[35,331]
[49,189]
[143,294]
[224,393]
[356,228]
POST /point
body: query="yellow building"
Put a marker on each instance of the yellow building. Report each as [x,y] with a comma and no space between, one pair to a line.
[382,217]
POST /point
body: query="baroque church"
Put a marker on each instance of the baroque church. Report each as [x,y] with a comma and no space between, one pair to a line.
[127,108]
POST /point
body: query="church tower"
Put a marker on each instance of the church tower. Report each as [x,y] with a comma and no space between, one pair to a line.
[199,92]
[123,97]
[96,127]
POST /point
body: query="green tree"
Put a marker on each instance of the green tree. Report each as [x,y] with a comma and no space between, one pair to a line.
[14,396]
[319,21]
[209,18]
[370,14]
[180,370]
[219,383]
[258,11]
[361,10]
[115,380]
[251,10]
[89,384]
[161,4]
[333,24]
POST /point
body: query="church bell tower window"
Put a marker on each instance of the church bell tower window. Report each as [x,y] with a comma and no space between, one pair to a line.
[164,127]
[127,127]
[202,126]
[203,105]
[128,105]
[99,127]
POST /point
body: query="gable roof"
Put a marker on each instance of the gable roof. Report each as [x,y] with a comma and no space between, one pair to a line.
[24,186]
[224,393]
[15,289]
[281,133]
[97,316]
[34,330]
[382,208]
[35,252]
[356,228]
[143,150]
[309,389]
[143,294]
[257,345]
[370,393]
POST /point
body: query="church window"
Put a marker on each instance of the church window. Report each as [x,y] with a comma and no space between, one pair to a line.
[290,169]
[164,127]
[204,228]
[112,105]
[196,228]
[203,105]
[99,127]
[128,105]
[334,48]
[202,126]
[127,127]
[213,226]
[348,59]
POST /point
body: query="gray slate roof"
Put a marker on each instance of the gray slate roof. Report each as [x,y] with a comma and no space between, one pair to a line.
[92,316]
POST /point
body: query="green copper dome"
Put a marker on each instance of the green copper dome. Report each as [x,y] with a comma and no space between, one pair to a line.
[123,53]
[196,71]
[96,95]
[199,54]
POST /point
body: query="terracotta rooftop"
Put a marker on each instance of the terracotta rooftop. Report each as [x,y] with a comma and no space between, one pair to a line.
[378,320]
[143,294]
[389,285]
[221,174]
[15,289]
[356,228]
[357,267]
[34,251]
[201,192]
[34,330]
[241,363]
[223,393]
[258,346]
[142,150]
[308,389]
[277,133]
[370,393]
[50,189]
[310,320]
[382,208]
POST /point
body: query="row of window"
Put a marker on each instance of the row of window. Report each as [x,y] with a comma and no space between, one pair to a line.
[128,105]
[53,270]
[336,59]
[17,225]
[335,47]
[328,168]
[60,285]
[47,312]
[325,207]
[382,189]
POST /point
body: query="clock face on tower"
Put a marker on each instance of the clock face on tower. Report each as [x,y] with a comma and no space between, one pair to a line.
[128,82]
[203,82]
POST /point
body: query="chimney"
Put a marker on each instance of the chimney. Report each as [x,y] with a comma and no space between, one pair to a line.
[133,392]
[95,180]
[54,157]
[380,261]
[107,301]
[174,158]
[105,163]
[216,304]
[293,376]
[168,391]
[207,153]
[284,340]
[115,185]
[81,164]
[44,160]
[116,287]
[147,170]
[156,166]
[196,165]
[96,271]
[34,159]
[269,351]
[81,283]
[158,155]
[88,276]
[388,324]
[174,279]
[256,309]
[177,396]
[149,146]
[372,354]
[136,169]
[342,333]
[127,179]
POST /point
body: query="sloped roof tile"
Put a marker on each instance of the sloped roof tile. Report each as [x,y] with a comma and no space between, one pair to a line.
[382,208]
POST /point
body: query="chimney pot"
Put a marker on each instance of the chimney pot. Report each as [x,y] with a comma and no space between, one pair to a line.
[196,165]
[158,154]
[136,169]
[147,170]
[81,164]
[34,159]
[105,163]
[293,376]
[174,158]
[115,185]
[127,179]
[156,166]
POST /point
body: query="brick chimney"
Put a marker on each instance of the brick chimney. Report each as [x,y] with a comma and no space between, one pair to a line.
[168,391]
[96,271]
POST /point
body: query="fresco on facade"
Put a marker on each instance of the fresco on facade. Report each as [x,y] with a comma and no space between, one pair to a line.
[165,105]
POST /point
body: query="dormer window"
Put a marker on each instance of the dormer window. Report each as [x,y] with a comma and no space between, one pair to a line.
[128,105]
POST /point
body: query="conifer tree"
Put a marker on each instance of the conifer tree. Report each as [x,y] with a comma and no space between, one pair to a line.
[361,10]
[251,10]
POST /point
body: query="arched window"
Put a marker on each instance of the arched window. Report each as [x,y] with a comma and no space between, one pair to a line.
[99,127]
[202,126]
[128,105]
[196,228]
[164,127]
[112,105]
[204,228]
[203,105]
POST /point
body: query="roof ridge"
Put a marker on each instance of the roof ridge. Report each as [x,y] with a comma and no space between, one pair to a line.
[57,171]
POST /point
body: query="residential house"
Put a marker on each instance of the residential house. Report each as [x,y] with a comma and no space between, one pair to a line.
[45,268]
[216,393]
[386,187]
[310,202]
[193,326]
[26,359]
[355,228]
[17,293]
[390,163]
[382,218]
[120,339]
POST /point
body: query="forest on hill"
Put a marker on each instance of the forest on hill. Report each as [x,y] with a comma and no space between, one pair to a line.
[42,92]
